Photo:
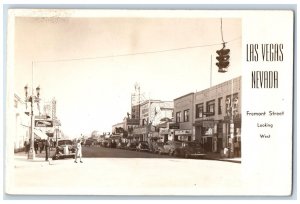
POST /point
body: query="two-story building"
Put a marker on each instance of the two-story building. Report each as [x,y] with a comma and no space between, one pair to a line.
[217,113]
[183,111]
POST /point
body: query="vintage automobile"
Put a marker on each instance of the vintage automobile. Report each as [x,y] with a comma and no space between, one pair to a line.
[170,147]
[131,146]
[143,147]
[189,149]
[121,145]
[65,149]
[155,147]
[89,142]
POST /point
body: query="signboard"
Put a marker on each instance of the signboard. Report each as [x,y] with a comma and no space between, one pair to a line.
[209,124]
[173,126]
[42,117]
[43,123]
[183,132]
[208,113]
[139,131]
[163,131]
[132,121]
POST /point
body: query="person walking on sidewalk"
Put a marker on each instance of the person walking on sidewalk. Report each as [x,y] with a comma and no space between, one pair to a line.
[47,148]
[78,152]
[36,146]
[41,146]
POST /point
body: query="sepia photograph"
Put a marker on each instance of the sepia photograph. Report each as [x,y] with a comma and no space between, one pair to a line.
[119,102]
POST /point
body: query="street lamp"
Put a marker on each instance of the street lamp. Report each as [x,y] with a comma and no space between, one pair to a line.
[32,99]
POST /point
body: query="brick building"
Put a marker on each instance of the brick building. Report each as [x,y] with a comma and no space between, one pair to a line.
[216,109]
[183,115]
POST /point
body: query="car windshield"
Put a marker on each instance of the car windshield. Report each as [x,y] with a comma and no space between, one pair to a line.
[65,142]
[144,144]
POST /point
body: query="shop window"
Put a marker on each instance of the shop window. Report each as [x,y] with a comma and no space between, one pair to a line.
[210,107]
[232,102]
[199,110]
[186,116]
[178,116]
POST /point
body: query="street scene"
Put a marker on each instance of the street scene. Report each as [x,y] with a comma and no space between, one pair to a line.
[125,105]
[106,171]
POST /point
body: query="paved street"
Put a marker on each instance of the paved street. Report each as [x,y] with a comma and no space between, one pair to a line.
[98,151]
[121,176]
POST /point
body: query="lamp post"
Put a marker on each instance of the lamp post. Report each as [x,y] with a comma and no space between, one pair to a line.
[32,99]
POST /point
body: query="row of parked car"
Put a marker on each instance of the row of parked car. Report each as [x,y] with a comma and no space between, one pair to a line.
[173,148]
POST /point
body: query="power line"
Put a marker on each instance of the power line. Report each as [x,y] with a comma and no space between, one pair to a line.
[138,53]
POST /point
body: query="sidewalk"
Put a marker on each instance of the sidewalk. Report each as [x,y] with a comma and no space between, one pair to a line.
[217,156]
[21,160]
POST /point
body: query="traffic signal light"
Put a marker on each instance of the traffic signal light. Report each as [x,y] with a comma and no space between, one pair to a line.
[223,59]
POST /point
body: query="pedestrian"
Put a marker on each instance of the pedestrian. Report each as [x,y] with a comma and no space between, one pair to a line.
[41,145]
[78,152]
[47,147]
[36,146]
[26,146]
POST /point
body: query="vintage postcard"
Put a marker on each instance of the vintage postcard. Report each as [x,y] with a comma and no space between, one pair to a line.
[149,102]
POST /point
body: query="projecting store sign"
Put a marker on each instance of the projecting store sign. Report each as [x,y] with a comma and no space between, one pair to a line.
[43,123]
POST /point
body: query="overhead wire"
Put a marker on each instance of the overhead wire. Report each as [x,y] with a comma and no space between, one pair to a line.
[137,53]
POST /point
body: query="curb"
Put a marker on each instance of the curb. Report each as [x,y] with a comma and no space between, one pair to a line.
[225,160]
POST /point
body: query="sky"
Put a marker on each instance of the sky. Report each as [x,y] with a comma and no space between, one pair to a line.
[90,65]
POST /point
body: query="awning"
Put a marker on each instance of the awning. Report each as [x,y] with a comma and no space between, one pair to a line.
[38,134]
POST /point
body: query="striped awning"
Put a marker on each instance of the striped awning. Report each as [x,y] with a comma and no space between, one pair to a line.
[38,134]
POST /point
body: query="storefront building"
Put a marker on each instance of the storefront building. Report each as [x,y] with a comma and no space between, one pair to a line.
[183,110]
[152,113]
[21,124]
[217,116]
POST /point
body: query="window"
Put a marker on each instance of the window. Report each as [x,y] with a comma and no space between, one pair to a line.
[186,116]
[228,105]
[235,103]
[210,107]
[199,110]
[178,116]
[220,106]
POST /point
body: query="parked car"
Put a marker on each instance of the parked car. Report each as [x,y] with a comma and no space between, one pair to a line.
[143,147]
[170,147]
[65,149]
[131,146]
[89,142]
[189,149]
[121,145]
[104,143]
[112,144]
[155,147]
